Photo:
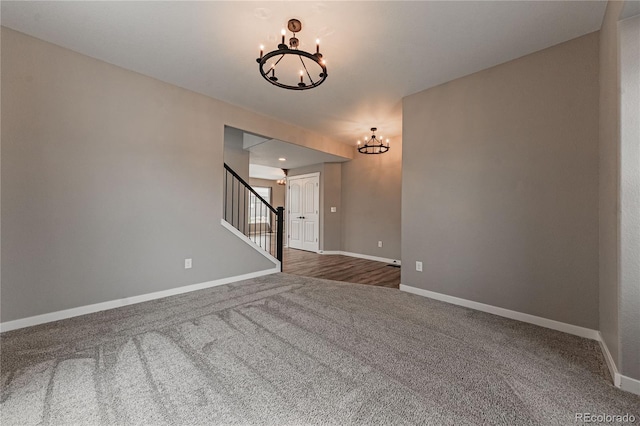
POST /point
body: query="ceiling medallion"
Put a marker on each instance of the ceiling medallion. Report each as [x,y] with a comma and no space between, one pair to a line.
[269,62]
[373,145]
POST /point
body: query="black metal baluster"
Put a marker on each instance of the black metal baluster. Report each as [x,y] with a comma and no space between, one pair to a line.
[233,182]
[226,173]
[262,225]
[280,235]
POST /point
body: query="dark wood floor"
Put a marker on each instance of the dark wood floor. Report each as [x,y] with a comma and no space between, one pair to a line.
[340,268]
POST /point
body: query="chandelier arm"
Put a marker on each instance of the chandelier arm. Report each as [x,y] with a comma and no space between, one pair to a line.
[305,68]
[278,61]
[263,62]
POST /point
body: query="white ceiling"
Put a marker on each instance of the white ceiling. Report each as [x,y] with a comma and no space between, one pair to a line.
[265,172]
[268,153]
[377,52]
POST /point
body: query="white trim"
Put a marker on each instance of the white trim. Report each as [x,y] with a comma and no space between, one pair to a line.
[375,258]
[334,252]
[623,382]
[613,370]
[507,313]
[628,384]
[97,307]
[249,241]
[304,176]
[313,175]
[361,256]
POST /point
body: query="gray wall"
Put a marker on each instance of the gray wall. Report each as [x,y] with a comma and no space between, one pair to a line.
[619,180]
[234,154]
[371,203]
[366,193]
[500,185]
[630,197]
[237,196]
[608,178]
[332,191]
[110,179]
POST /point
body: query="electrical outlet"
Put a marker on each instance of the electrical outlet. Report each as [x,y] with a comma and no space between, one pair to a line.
[379,243]
[187,264]
[418,266]
[334,209]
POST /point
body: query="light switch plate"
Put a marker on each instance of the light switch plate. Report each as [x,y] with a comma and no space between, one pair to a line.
[334,209]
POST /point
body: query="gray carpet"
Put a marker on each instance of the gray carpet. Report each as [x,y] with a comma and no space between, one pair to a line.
[287,350]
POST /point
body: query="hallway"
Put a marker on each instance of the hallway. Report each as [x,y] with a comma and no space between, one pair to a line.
[340,268]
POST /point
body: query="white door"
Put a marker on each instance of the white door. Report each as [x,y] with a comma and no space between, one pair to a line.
[303,212]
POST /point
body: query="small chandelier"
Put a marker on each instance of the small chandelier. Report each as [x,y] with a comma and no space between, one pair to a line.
[373,145]
[314,60]
[283,181]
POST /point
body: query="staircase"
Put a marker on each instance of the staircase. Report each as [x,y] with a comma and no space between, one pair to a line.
[251,215]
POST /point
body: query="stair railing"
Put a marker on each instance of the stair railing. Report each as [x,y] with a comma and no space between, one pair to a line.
[252,215]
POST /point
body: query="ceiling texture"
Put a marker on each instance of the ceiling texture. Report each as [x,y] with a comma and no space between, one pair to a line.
[376,52]
[269,153]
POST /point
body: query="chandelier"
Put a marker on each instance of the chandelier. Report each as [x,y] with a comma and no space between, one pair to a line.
[269,62]
[283,181]
[373,145]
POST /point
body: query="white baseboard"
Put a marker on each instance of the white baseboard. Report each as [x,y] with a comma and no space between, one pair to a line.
[623,382]
[611,365]
[362,256]
[628,384]
[507,313]
[97,307]
[250,242]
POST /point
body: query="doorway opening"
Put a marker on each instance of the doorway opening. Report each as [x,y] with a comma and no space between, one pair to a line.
[303,212]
